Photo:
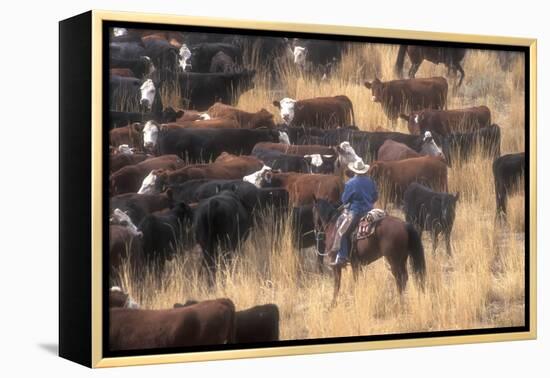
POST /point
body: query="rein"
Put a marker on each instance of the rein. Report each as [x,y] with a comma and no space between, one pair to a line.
[320,234]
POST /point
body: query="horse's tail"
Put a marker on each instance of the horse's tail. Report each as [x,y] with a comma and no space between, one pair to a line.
[416,252]
[400,60]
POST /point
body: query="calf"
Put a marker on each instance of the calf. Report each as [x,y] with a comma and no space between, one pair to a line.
[431,211]
[395,176]
[398,96]
[445,122]
[321,112]
[207,323]
[124,244]
[508,171]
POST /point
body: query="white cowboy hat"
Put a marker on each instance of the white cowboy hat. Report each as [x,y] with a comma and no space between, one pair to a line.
[358,167]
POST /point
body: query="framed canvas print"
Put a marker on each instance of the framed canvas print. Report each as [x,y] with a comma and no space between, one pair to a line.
[235,189]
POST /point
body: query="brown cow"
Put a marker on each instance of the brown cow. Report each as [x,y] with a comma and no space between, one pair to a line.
[246,120]
[445,122]
[398,96]
[226,166]
[124,244]
[124,72]
[303,188]
[258,324]
[118,161]
[130,135]
[128,179]
[214,123]
[392,150]
[322,112]
[206,323]
[393,177]
[295,149]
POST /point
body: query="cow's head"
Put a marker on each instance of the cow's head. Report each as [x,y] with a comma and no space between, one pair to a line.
[121,218]
[148,92]
[150,134]
[149,184]
[119,32]
[148,66]
[185,58]
[170,115]
[376,86]
[346,154]
[300,55]
[413,121]
[287,109]
[256,177]
[429,147]
[318,163]
[125,149]
[263,118]
[119,298]
[283,137]
[448,207]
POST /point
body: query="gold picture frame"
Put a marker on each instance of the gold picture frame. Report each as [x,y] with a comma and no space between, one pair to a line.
[96,359]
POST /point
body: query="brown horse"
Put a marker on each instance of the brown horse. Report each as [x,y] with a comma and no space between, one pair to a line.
[393,239]
[451,57]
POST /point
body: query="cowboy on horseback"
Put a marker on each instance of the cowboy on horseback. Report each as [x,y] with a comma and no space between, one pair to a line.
[360,194]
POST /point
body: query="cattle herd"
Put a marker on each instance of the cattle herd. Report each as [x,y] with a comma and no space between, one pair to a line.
[207,173]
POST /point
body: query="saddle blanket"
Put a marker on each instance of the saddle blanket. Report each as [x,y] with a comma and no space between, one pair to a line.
[367,224]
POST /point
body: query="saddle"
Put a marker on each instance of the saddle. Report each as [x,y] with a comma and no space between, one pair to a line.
[367,224]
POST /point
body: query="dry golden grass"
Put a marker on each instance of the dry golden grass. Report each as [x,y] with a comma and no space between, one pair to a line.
[481,285]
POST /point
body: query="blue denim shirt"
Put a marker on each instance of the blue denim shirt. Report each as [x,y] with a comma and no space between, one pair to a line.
[361,193]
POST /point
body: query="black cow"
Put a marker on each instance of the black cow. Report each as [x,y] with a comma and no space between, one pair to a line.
[220,224]
[280,161]
[162,53]
[162,231]
[462,146]
[138,206]
[119,119]
[141,66]
[316,135]
[222,63]
[508,171]
[202,90]
[202,54]
[124,92]
[318,55]
[431,211]
[204,144]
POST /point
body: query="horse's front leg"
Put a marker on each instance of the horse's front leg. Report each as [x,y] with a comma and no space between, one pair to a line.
[337,280]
